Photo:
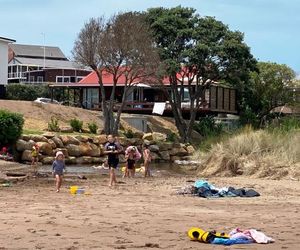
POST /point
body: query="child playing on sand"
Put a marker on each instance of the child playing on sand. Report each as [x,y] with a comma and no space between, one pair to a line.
[58,168]
[34,157]
[132,154]
[147,160]
[112,149]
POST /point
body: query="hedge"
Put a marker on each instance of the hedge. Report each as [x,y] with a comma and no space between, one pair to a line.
[26,92]
[11,126]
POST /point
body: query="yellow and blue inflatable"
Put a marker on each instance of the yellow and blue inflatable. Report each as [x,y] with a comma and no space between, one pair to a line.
[198,234]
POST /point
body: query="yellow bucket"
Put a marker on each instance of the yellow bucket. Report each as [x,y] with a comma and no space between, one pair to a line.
[73,189]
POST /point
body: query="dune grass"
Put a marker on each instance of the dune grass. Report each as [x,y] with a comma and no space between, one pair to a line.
[261,153]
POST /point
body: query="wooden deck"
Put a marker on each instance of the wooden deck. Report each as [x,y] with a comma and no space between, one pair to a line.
[146,108]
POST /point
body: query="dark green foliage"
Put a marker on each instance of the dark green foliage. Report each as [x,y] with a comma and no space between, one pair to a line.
[206,48]
[26,92]
[266,90]
[284,124]
[172,137]
[53,125]
[11,126]
[76,124]
[129,133]
[207,126]
[93,127]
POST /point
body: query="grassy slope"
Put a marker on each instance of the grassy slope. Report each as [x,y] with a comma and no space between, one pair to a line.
[255,153]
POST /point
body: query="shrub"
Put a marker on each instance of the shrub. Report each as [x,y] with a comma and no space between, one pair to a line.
[11,126]
[53,125]
[285,124]
[129,133]
[76,125]
[93,127]
[26,92]
[172,137]
[208,127]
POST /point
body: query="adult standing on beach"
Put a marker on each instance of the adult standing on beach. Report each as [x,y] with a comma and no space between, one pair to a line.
[112,149]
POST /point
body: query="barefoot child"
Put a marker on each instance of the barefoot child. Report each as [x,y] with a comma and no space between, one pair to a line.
[112,149]
[147,160]
[58,168]
[34,156]
[131,155]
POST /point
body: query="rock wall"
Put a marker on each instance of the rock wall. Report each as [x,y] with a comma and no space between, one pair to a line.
[89,150]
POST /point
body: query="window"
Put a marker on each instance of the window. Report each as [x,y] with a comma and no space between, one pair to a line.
[31,79]
[62,78]
[40,79]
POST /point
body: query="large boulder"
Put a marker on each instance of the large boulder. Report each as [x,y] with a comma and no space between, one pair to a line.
[48,160]
[178,152]
[101,139]
[135,141]
[66,140]
[52,143]
[159,136]
[84,160]
[26,137]
[45,148]
[124,141]
[73,150]
[164,146]
[98,160]
[49,135]
[190,149]
[96,151]
[24,145]
[85,149]
[148,136]
[175,158]
[82,138]
[164,155]
[58,142]
[70,160]
[154,148]
[39,138]
[63,150]
[66,129]
[26,155]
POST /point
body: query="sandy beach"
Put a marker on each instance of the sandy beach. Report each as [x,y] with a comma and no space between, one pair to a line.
[142,214]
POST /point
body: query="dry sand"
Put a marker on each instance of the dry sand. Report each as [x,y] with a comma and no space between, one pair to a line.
[142,214]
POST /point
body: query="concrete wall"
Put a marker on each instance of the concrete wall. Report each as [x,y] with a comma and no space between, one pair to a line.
[3,62]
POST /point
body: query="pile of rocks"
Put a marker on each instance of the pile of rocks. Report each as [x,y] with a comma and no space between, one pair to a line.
[89,150]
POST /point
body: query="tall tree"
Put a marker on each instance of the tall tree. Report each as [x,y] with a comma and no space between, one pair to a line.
[195,52]
[269,88]
[122,47]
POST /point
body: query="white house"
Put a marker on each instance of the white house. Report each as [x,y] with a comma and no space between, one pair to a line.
[4,59]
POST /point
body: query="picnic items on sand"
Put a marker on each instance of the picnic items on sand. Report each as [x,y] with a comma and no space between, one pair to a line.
[236,236]
[204,189]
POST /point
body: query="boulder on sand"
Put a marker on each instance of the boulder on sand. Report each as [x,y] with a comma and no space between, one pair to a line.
[58,142]
[26,155]
[45,148]
[73,150]
[66,140]
[24,145]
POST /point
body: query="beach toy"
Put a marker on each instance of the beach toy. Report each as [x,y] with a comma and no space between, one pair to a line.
[198,234]
[80,191]
[137,170]
[73,189]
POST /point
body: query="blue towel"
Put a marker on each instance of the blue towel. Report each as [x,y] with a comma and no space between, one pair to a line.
[228,242]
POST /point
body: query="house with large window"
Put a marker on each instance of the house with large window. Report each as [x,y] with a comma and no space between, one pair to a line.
[41,64]
[4,42]
[144,96]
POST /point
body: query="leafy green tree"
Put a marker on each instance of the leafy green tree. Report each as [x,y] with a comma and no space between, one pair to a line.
[269,88]
[195,52]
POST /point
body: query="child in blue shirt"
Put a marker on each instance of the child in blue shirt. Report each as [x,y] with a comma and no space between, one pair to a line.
[58,168]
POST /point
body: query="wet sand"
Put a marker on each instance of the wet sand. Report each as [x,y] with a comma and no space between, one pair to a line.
[142,214]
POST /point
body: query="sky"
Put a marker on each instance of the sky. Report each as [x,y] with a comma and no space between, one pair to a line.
[271,27]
